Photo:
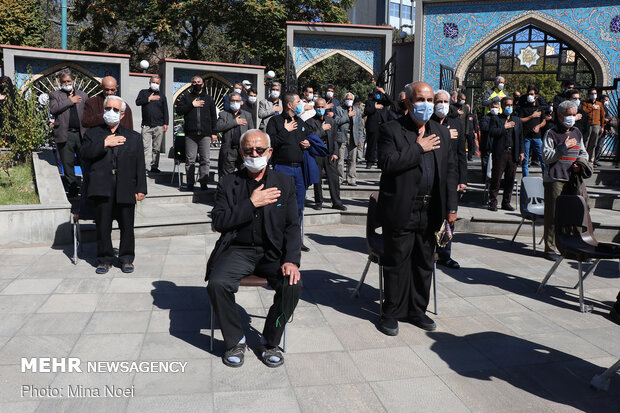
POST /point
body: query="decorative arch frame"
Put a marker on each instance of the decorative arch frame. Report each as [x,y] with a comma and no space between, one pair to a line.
[70,65]
[333,53]
[204,76]
[595,57]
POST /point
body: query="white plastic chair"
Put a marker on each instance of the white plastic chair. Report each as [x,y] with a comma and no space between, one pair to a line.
[532,204]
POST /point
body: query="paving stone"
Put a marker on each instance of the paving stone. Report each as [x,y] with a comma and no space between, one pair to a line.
[11,271]
[29,286]
[21,387]
[452,355]
[253,376]
[195,379]
[91,405]
[62,303]
[55,323]
[118,322]
[124,302]
[181,346]
[358,397]
[19,407]
[455,307]
[11,323]
[397,363]
[172,403]
[527,323]
[83,286]
[131,285]
[364,336]
[106,347]
[15,304]
[420,394]
[259,401]
[496,304]
[301,339]
[311,369]
[20,347]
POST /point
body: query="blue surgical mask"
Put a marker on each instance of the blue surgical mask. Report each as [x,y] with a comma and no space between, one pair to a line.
[422,111]
[377,96]
[508,111]
[320,112]
[299,108]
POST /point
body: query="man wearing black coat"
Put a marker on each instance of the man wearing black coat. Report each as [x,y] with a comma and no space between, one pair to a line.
[198,111]
[416,193]
[256,212]
[377,112]
[117,180]
[506,132]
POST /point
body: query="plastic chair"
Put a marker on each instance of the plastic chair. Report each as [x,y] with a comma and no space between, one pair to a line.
[374,243]
[85,210]
[575,240]
[532,204]
[249,281]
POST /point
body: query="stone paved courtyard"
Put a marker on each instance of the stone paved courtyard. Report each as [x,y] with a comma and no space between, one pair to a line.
[499,345]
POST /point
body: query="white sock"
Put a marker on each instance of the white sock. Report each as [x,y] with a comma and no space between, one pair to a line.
[235,359]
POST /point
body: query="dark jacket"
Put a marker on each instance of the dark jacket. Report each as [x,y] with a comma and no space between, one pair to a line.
[198,121]
[485,141]
[328,137]
[499,136]
[60,108]
[131,172]
[154,113]
[227,122]
[285,144]
[375,118]
[400,160]
[457,145]
[93,114]
[233,210]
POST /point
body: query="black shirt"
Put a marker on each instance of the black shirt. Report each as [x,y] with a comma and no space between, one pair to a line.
[154,113]
[507,139]
[286,149]
[74,119]
[253,234]
[526,110]
[428,168]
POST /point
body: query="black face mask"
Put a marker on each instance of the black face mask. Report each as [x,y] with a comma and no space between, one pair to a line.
[402,104]
[197,88]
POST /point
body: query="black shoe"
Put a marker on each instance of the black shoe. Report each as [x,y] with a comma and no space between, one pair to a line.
[551,256]
[493,208]
[617,165]
[508,207]
[339,207]
[102,268]
[155,170]
[388,326]
[304,248]
[204,187]
[127,268]
[450,263]
[187,188]
[317,207]
[596,163]
[424,322]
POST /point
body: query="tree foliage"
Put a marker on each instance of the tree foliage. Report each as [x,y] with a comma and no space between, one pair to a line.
[22,23]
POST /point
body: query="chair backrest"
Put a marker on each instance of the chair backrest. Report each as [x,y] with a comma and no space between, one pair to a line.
[572,221]
[372,223]
[532,192]
[490,166]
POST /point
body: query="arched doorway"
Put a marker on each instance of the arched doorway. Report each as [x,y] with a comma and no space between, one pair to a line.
[528,55]
[46,82]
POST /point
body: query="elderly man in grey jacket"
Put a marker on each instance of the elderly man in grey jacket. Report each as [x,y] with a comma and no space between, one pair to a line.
[67,107]
[271,106]
[351,134]
[232,123]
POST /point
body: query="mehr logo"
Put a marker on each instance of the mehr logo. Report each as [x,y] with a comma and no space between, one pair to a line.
[51,365]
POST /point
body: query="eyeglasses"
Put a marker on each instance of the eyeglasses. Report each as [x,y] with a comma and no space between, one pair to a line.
[109,108]
[235,101]
[250,151]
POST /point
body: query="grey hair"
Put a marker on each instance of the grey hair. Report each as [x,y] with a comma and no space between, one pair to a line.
[251,131]
[566,105]
[64,73]
[196,77]
[234,94]
[498,78]
[349,94]
[408,90]
[440,92]
[276,84]
[155,77]
[112,97]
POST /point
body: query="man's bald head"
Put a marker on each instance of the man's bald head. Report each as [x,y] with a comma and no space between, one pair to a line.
[109,86]
[419,92]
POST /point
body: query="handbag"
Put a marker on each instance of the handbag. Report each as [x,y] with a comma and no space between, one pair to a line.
[444,235]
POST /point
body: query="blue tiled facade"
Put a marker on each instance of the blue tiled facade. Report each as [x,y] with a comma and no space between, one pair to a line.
[27,67]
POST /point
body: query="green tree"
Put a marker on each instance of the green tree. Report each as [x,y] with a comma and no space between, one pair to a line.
[22,23]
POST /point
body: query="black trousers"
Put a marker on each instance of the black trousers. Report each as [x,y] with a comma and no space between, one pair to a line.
[470,145]
[234,264]
[506,165]
[106,210]
[371,146]
[228,160]
[333,180]
[67,151]
[408,265]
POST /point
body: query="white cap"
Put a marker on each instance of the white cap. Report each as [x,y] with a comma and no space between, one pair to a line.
[246,82]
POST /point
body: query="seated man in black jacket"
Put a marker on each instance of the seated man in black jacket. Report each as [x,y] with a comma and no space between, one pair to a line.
[256,212]
[117,180]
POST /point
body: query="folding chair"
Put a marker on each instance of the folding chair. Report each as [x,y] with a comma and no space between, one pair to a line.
[374,243]
[249,281]
[532,204]
[576,241]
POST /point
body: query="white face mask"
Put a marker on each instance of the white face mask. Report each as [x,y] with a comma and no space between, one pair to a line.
[154,87]
[237,90]
[593,96]
[606,104]
[275,94]
[252,99]
[257,164]
[569,121]
[329,94]
[577,101]
[67,88]
[111,118]
[531,98]
[348,103]
[235,106]
[310,96]
[248,86]
[495,111]
[500,86]
[550,109]
[462,102]
[441,110]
